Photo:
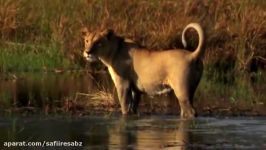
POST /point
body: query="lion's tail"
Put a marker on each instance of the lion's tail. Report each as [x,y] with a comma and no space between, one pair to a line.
[199,52]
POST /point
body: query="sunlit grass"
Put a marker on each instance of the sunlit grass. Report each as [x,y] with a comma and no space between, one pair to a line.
[233,28]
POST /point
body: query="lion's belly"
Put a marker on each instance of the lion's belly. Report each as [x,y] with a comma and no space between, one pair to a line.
[153,88]
[151,73]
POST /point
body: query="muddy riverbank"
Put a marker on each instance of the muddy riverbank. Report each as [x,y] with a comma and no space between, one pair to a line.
[203,108]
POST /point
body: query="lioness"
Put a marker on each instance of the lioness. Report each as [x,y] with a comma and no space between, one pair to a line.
[135,70]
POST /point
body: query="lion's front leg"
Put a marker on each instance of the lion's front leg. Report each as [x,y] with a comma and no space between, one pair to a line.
[124,96]
[123,91]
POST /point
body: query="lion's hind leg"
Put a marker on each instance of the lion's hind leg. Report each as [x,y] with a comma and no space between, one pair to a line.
[182,94]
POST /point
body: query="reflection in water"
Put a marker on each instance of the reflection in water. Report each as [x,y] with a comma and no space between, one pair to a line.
[42,90]
[143,133]
[120,137]
[101,133]
[146,136]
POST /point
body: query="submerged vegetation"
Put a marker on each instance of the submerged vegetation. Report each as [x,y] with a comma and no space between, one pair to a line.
[45,35]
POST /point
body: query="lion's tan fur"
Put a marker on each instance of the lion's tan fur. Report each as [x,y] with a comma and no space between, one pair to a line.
[134,69]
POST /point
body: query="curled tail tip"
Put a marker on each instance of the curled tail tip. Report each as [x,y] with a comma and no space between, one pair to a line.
[184,42]
[194,24]
[198,52]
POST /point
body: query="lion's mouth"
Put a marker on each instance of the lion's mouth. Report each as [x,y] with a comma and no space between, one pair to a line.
[89,57]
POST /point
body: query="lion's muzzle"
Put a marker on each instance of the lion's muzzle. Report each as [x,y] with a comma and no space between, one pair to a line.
[89,57]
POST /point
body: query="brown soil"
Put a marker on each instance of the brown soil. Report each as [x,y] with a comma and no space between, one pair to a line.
[203,108]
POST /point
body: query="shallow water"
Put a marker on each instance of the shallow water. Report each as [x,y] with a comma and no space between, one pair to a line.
[150,132]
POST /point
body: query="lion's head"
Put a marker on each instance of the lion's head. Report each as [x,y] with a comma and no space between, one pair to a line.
[96,44]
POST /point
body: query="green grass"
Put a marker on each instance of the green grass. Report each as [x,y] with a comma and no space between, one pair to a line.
[27,57]
[240,87]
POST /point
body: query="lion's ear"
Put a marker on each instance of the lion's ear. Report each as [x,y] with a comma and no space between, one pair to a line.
[84,31]
[108,33]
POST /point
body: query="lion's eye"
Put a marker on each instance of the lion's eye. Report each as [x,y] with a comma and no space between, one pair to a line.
[99,45]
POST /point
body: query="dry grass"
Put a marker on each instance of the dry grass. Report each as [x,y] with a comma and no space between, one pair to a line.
[235,29]
[100,97]
[103,97]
